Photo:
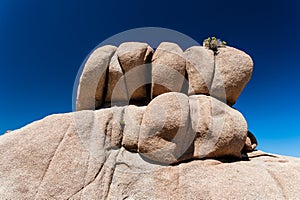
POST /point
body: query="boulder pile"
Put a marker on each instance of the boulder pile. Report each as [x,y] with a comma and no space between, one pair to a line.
[175,105]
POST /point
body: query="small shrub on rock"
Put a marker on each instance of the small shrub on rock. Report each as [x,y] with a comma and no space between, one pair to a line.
[213,43]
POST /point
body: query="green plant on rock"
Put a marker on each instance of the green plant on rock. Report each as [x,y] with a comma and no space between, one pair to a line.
[122,124]
[213,43]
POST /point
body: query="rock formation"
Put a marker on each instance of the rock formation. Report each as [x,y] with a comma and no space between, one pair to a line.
[174,126]
[150,124]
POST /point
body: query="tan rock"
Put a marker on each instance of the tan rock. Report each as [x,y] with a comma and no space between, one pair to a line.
[265,176]
[27,154]
[100,134]
[92,80]
[68,157]
[132,121]
[132,57]
[132,54]
[162,135]
[116,86]
[200,69]
[220,130]
[110,120]
[61,156]
[251,142]
[216,130]
[248,145]
[168,69]
[233,70]
[222,76]
[72,161]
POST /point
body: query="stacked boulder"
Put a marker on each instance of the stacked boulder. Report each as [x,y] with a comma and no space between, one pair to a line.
[167,104]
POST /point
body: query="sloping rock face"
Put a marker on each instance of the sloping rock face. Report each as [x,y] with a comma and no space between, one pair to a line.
[78,156]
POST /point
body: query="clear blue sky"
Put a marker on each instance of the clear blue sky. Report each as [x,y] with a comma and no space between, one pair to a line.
[43,43]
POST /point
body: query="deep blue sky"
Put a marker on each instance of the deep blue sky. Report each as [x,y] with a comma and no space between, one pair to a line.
[43,43]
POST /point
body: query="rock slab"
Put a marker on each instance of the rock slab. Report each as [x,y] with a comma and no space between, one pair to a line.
[68,156]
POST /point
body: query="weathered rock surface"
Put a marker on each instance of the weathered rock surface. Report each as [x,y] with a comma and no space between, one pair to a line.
[132,122]
[219,129]
[233,70]
[116,85]
[92,81]
[264,176]
[200,69]
[132,57]
[136,73]
[163,134]
[133,54]
[168,69]
[176,128]
[69,156]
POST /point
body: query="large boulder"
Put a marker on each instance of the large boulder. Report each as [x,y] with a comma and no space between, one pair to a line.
[116,86]
[176,127]
[163,133]
[70,156]
[133,58]
[92,80]
[220,130]
[168,69]
[233,70]
[200,65]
